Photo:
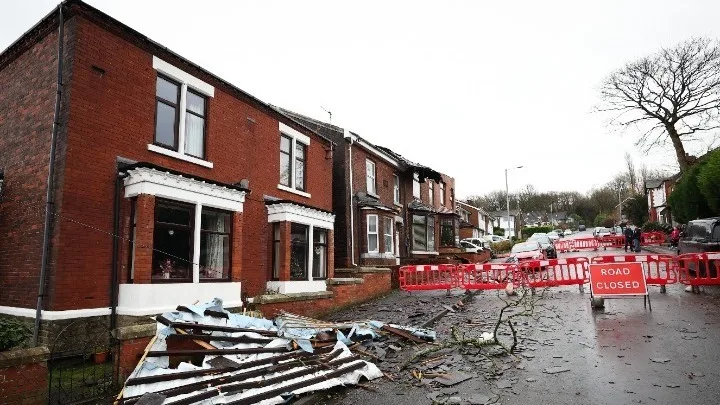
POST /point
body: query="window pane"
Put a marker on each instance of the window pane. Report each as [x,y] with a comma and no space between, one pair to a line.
[165,125]
[388,232]
[372,242]
[298,252]
[299,151]
[284,169]
[299,175]
[431,233]
[170,213]
[195,136]
[276,251]
[419,232]
[396,189]
[447,238]
[214,256]
[216,221]
[285,144]
[319,253]
[167,90]
[172,253]
[372,223]
[195,103]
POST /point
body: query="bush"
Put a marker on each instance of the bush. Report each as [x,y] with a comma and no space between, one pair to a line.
[501,247]
[686,200]
[536,229]
[708,181]
[656,227]
[636,209]
[599,219]
[608,222]
[12,333]
[498,231]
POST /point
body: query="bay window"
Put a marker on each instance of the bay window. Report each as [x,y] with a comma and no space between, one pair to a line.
[276,252]
[423,233]
[449,232]
[372,234]
[174,242]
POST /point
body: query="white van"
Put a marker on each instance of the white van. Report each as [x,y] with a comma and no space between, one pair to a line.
[494,238]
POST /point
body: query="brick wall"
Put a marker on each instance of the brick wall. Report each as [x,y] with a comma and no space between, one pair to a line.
[27,103]
[24,376]
[111,114]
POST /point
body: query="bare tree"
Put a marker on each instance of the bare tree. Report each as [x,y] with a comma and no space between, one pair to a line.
[632,177]
[673,94]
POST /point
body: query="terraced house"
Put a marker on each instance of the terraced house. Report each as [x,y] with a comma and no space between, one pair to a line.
[389,210]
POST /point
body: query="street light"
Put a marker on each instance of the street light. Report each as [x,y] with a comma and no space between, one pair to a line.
[507,198]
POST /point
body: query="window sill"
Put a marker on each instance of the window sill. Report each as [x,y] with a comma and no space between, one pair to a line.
[375,255]
[397,204]
[371,194]
[294,191]
[179,156]
[422,252]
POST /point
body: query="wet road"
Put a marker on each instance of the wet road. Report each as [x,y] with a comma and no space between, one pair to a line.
[623,354]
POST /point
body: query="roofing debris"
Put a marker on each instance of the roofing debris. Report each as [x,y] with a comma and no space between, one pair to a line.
[205,354]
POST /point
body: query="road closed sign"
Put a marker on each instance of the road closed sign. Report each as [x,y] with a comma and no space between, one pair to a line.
[611,279]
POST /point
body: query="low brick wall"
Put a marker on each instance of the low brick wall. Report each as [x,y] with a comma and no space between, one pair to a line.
[133,341]
[351,287]
[24,376]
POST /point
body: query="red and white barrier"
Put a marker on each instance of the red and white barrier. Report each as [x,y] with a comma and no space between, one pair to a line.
[659,269]
[556,272]
[696,269]
[428,277]
[488,276]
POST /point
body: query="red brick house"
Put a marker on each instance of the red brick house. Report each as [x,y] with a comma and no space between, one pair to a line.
[658,192]
[475,221]
[210,191]
[389,209]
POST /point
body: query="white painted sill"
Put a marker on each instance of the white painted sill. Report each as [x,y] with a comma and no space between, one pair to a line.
[179,156]
[375,255]
[422,252]
[292,190]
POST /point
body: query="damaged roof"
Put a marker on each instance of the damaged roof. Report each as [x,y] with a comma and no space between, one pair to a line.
[205,354]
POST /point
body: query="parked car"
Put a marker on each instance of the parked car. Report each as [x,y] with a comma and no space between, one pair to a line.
[553,236]
[547,245]
[470,247]
[600,231]
[495,238]
[581,227]
[523,251]
[701,236]
[568,232]
[559,232]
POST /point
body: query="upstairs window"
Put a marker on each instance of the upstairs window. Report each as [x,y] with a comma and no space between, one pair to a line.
[431,193]
[396,189]
[416,185]
[370,177]
[176,104]
[442,194]
[293,160]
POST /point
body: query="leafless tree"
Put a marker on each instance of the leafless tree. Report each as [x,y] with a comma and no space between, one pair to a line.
[632,177]
[674,94]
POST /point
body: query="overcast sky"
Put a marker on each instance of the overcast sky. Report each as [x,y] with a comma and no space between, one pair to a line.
[466,87]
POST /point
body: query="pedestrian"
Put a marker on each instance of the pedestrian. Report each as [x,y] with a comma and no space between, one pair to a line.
[628,238]
[675,236]
[637,233]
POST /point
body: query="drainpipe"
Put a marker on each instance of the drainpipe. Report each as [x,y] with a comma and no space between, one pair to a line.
[114,285]
[49,204]
[350,195]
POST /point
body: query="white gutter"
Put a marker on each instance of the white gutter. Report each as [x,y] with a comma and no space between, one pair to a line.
[348,135]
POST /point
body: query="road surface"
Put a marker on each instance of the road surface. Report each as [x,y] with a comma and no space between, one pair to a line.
[570,354]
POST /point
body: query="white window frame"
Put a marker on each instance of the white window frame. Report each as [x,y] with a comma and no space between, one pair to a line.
[389,232]
[295,137]
[186,81]
[371,233]
[396,189]
[442,194]
[416,185]
[370,177]
[431,193]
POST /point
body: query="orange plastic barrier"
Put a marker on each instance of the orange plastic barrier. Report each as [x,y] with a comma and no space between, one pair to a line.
[652,238]
[488,276]
[698,269]
[556,272]
[659,269]
[428,277]
[612,241]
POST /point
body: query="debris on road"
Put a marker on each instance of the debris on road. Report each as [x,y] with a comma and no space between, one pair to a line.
[206,353]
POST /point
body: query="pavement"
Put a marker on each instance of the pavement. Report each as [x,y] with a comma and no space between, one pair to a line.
[568,353]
